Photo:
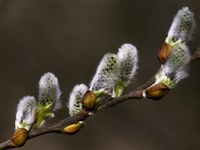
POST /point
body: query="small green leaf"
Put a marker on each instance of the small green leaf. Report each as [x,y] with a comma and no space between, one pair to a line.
[118,88]
[43,113]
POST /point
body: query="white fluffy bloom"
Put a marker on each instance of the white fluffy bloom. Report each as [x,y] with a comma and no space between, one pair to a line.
[115,72]
[182,27]
[128,58]
[49,98]
[75,99]
[49,91]
[26,112]
[175,67]
[105,76]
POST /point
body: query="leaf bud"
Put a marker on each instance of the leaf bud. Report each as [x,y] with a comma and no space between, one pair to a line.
[89,100]
[73,128]
[164,52]
[19,137]
[157,91]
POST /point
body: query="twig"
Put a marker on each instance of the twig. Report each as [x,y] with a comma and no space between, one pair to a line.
[58,127]
[196,55]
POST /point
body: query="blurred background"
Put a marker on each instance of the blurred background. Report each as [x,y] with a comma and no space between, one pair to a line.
[69,39]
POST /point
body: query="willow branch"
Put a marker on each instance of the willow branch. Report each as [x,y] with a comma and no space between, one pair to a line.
[110,102]
[196,55]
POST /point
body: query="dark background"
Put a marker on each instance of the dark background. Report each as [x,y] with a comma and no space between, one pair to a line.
[69,38]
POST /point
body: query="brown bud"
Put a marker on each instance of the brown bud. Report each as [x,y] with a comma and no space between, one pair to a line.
[73,128]
[89,100]
[157,91]
[19,137]
[164,52]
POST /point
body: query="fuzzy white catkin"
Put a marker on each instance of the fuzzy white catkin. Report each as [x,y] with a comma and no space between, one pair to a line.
[128,58]
[105,76]
[75,99]
[26,112]
[49,91]
[182,26]
[176,65]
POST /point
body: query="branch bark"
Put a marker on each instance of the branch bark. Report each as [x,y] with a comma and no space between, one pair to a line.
[110,102]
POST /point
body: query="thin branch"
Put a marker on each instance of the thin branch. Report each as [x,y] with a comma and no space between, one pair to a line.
[6,145]
[196,55]
[110,102]
[57,128]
